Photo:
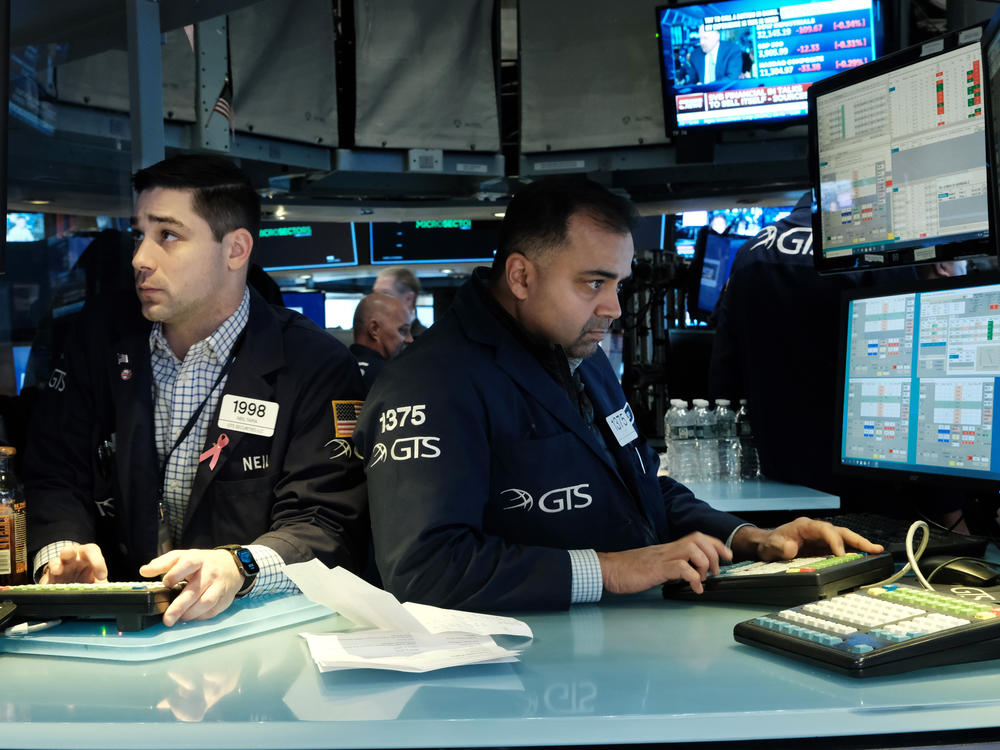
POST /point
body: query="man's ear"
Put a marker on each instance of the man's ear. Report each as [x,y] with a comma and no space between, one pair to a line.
[372,329]
[520,274]
[237,245]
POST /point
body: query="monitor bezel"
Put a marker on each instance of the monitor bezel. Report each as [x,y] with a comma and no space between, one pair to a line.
[883,474]
[673,130]
[354,228]
[986,246]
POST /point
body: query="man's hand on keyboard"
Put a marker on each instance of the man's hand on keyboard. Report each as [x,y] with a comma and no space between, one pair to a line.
[691,558]
[83,564]
[212,582]
[803,536]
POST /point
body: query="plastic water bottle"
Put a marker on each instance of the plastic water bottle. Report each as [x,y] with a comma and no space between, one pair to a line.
[729,446]
[681,458]
[706,444]
[749,460]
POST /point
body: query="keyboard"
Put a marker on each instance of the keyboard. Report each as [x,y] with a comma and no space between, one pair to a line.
[787,582]
[133,605]
[891,534]
[881,630]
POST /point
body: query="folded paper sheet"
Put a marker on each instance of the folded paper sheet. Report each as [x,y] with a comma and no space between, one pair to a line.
[404,637]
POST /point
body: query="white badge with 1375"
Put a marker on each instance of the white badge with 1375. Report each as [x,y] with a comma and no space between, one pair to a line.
[243,414]
[622,427]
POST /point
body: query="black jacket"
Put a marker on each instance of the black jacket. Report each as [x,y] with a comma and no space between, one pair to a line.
[482,471]
[300,491]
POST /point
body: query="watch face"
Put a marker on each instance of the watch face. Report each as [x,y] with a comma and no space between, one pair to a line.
[249,564]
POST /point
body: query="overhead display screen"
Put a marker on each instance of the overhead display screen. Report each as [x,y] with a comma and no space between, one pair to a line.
[434,241]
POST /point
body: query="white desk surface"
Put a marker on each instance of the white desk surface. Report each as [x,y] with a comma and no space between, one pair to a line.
[634,669]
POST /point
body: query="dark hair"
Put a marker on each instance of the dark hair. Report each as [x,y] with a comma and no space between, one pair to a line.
[222,194]
[537,216]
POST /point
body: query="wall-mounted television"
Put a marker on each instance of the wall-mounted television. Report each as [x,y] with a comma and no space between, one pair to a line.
[434,241]
[22,227]
[748,62]
[292,246]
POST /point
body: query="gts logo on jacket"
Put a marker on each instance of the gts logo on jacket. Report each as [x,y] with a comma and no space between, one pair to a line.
[553,501]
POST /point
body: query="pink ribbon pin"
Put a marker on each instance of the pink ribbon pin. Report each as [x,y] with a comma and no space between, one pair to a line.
[215,451]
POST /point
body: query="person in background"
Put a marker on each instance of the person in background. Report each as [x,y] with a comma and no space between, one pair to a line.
[188,418]
[401,283]
[381,331]
[713,59]
[505,470]
[776,342]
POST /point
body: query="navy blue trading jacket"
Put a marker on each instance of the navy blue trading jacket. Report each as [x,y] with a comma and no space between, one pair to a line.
[482,472]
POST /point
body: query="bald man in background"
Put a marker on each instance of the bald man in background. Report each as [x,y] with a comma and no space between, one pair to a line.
[381,332]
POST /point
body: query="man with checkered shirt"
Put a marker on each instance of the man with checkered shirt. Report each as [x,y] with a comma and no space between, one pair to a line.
[193,418]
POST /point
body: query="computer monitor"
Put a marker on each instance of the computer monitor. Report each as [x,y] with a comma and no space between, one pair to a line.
[434,241]
[310,304]
[766,56]
[712,262]
[920,374]
[293,246]
[991,59]
[649,232]
[898,159]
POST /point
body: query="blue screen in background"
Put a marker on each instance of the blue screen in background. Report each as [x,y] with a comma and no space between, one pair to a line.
[25,227]
[766,55]
[310,304]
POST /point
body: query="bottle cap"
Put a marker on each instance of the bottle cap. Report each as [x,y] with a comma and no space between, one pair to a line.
[700,402]
[722,402]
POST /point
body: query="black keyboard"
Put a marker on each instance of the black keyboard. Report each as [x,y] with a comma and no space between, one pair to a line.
[787,582]
[881,630]
[891,534]
[133,605]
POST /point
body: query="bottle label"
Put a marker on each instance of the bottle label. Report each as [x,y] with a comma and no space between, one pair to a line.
[20,540]
[6,540]
[681,432]
[704,431]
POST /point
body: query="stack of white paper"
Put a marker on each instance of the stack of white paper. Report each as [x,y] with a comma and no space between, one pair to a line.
[404,637]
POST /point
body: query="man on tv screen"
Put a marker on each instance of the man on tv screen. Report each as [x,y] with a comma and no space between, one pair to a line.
[713,59]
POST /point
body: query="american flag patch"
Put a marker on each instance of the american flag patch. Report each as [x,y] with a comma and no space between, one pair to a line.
[345,417]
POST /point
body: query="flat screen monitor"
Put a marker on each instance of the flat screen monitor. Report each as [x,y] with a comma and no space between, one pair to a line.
[749,62]
[23,227]
[713,260]
[991,55]
[920,374]
[649,232]
[437,241]
[310,304]
[292,246]
[898,159]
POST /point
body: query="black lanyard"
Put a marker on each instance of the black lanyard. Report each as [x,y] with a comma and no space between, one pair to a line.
[230,361]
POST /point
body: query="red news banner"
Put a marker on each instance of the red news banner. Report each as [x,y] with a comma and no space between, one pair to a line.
[709,100]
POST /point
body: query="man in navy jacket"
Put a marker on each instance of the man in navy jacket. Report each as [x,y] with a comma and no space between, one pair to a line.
[192,416]
[504,466]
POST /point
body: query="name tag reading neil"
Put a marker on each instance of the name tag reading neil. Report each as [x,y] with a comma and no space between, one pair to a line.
[243,414]
[622,427]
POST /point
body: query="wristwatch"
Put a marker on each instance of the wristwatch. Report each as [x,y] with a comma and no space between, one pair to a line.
[245,564]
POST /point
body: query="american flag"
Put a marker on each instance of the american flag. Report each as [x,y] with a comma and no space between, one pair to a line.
[345,417]
[224,104]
